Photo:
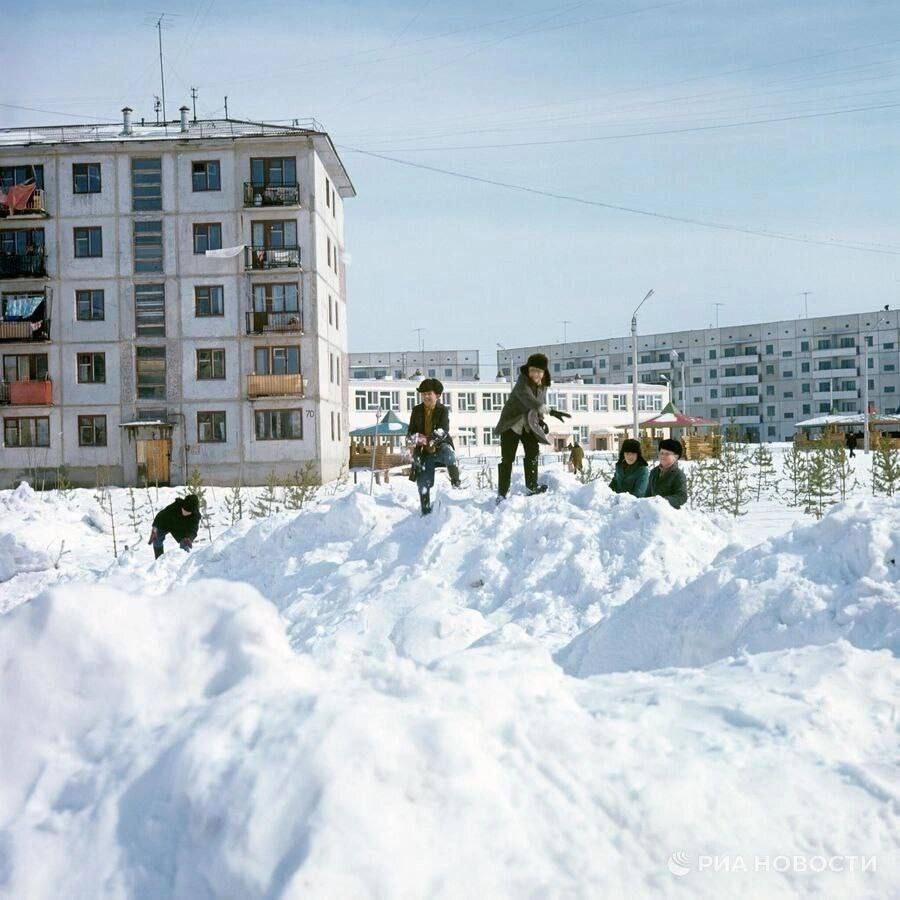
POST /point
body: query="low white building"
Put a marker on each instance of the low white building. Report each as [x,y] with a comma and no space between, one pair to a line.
[597,410]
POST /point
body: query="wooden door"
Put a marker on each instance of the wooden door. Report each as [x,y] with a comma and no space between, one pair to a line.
[153,457]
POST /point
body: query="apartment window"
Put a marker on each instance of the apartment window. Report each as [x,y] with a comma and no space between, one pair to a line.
[207,236]
[806,409]
[148,246]
[92,431]
[331,370]
[887,346]
[493,402]
[771,431]
[146,184]
[889,367]
[889,389]
[770,370]
[488,438]
[579,403]
[713,373]
[465,401]
[360,401]
[274,171]
[150,310]
[10,175]
[276,298]
[279,424]
[337,321]
[90,305]
[205,176]
[804,388]
[468,436]
[712,354]
[770,411]
[27,242]
[804,346]
[789,415]
[448,373]
[339,425]
[279,235]
[209,300]
[788,395]
[804,367]
[88,242]
[330,310]
[86,178]
[27,431]
[846,342]
[91,368]
[25,367]
[150,366]
[787,373]
[276,360]
[770,349]
[620,402]
[211,427]
[333,431]
[787,353]
[563,402]
[601,402]
[210,365]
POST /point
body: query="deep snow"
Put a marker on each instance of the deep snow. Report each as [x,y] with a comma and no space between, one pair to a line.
[356,702]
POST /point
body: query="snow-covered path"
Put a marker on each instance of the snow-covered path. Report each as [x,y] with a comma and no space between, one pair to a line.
[355,702]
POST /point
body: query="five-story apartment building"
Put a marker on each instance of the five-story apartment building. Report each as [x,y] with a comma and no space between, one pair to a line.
[173,297]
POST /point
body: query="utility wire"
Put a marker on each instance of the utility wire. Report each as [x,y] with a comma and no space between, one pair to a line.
[847,245]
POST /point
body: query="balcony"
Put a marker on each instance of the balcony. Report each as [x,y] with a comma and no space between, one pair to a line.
[739,379]
[274,323]
[264,258]
[275,386]
[31,207]
[826,352]
[271,194]
[743,420]
[26,393]
[23,318]
[23,265]
[22,332]
[835,395]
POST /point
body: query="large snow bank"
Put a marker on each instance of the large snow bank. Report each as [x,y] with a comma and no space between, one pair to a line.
[176,746]
[351,569]
[837,578]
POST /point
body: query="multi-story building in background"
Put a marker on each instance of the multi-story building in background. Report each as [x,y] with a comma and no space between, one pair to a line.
[598,411]
[126,347]
[764,377]
[456,365]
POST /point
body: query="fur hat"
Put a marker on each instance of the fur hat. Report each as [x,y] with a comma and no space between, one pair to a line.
[538,361]
[191,503]
[431,384]
[673,445]
[630,445]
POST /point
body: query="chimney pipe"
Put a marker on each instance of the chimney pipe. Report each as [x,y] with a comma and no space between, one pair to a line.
[126,120]
[184,110]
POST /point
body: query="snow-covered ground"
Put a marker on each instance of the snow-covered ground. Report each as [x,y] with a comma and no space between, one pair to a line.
[575,695]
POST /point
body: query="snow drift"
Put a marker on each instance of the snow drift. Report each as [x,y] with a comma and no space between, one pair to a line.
[837,578]
[177,746]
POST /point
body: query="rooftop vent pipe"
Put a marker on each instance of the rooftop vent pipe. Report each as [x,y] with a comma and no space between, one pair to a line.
[184,110]
[126,120]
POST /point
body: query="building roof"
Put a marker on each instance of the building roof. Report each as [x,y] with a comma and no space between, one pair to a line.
[850,419]
[199,130]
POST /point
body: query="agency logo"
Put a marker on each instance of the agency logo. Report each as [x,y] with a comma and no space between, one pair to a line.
[679,864]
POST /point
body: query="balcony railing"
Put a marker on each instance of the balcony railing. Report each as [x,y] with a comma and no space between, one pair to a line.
[274,323]
[261,258]
[19,331]
[34,206]
[23,265]
[271,194]
[26,393]
[275,386]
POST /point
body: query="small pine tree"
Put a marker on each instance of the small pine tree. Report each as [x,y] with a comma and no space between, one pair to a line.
[266,503]
[794,469]
[300,487]
[134,512]
[885,468]
[819,486]
[485,477]
[234,503]
[734,473]
[103,496]
[841,469]
[63,484]
[765,475]
[196,487]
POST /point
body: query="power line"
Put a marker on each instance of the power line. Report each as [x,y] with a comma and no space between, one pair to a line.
[53,112]
[570,198]
[635,134]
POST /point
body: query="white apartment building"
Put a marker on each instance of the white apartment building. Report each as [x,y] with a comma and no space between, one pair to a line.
[454,365]
[597,410]
[125,347]
[762,377]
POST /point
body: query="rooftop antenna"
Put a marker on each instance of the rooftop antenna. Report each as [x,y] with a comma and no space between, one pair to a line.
[716,304]
[157,106]
[805,295]
[194,101]
[565,324]
[226,106]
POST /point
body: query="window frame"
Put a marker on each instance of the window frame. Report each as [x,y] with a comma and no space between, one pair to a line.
[211,424]
[35,432]
[92,293]
[198,233]
[87,175]
[295,414]
[209,288]
[80,233]
[215,363]
[94,364]
[205,173]
[90,422]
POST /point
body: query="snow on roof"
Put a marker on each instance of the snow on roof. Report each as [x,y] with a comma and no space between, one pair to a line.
[850,419]
[201,129]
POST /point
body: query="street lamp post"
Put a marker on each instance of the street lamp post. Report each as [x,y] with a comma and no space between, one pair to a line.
[675,358]
[634,366]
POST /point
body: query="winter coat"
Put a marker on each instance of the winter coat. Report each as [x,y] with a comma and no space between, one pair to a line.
[576,457]
[631,479]
[526,401]
[440,418]
[669,483]
[851,442]
[170,520]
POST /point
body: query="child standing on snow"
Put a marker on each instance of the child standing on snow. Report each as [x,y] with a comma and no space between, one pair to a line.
[522,419]
[181,519]
[429,425]
[667,480]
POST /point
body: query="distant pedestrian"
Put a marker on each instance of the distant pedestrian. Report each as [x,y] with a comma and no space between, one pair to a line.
[850,441]
[632,472]
[576,457]
[667,479]
[181,519]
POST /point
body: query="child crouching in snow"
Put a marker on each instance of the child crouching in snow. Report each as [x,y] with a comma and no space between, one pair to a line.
[181,519]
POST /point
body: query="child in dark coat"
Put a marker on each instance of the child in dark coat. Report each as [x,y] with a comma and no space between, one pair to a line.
[181,519]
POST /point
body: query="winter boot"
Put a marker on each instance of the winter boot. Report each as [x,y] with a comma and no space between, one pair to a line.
[504,476]
[425,500]
[531,478]
[453,472]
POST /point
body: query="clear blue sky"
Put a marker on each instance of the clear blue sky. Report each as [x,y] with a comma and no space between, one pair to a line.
[433,82]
